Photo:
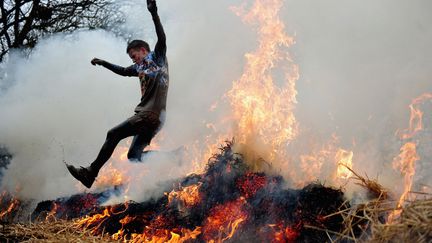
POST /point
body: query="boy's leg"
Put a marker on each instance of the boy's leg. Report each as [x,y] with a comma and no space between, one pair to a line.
[136,149]
[125,129]
[114,136]
[149,126]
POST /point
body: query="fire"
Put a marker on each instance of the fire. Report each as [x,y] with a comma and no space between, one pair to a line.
[405,161]
[97,219]
[415,121]
[168,236]
[111,175]
[189,196]
[287,234]
[123,221]
[263,111]
[94,222]
[10,205]
[262,104]
[251,183]
[328,162]
[224,220]
[344,161]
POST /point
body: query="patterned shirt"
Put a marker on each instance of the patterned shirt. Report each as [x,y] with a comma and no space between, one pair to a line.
[154,84]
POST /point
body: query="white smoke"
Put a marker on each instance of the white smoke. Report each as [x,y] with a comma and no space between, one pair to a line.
[360,65]
[57,106]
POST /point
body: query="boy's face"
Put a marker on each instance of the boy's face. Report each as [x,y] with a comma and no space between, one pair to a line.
[137,55]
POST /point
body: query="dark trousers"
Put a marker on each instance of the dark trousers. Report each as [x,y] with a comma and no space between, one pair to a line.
[143,126]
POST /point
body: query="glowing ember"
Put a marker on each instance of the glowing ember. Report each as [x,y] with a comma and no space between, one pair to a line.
[287,234]
[251,183]
[223,220]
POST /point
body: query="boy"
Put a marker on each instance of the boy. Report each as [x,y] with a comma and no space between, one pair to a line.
[152,69]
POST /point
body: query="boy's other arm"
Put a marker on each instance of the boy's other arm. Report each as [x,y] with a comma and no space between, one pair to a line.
[123,71]
[160,48]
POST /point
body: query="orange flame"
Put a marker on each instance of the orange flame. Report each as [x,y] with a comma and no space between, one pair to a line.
[416,116]
[168,236]
[344,160]
[405,161]
[224,220]
[189,196]
[12,205]
[263,111]
[94,222]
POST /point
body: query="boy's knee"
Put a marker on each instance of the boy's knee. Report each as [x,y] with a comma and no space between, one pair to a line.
[112,134]
[134,156]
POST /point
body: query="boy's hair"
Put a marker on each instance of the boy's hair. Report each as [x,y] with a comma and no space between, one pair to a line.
[136,44]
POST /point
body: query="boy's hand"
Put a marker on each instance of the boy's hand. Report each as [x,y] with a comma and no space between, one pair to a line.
[151,6]
[96,61]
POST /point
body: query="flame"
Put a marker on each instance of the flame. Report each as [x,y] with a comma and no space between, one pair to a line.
[120,234]
[344,161]
[224,220]
[416,116]
[405,161]
[328,162]
[111,175]
[90,221]
[168,236]
[262,107]
[10,205]
[263,111]
[94,222]
[189,195]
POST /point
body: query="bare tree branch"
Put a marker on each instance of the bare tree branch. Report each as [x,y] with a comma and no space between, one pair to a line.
[23,22]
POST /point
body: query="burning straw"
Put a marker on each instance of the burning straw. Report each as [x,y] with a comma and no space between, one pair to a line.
[228,202]
[231,203]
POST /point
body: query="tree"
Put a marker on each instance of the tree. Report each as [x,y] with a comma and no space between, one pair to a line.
[23,22]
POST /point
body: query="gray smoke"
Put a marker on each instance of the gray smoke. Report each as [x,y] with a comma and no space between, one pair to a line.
[360,65]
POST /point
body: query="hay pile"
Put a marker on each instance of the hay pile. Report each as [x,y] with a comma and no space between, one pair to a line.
[47,231]
[414,225]
[364,222]
[367,222]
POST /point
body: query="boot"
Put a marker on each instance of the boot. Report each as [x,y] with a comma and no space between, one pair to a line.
[84,175]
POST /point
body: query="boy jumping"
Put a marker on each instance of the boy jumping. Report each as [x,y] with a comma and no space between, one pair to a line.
[152,69]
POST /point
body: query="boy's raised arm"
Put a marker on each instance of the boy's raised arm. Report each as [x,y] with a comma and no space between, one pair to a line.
[123,71]
[160,48]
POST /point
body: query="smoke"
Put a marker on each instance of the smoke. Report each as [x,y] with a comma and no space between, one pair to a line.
[360,65]
[56,106]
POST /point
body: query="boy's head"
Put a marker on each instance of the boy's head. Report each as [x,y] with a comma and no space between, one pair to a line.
[137,50]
